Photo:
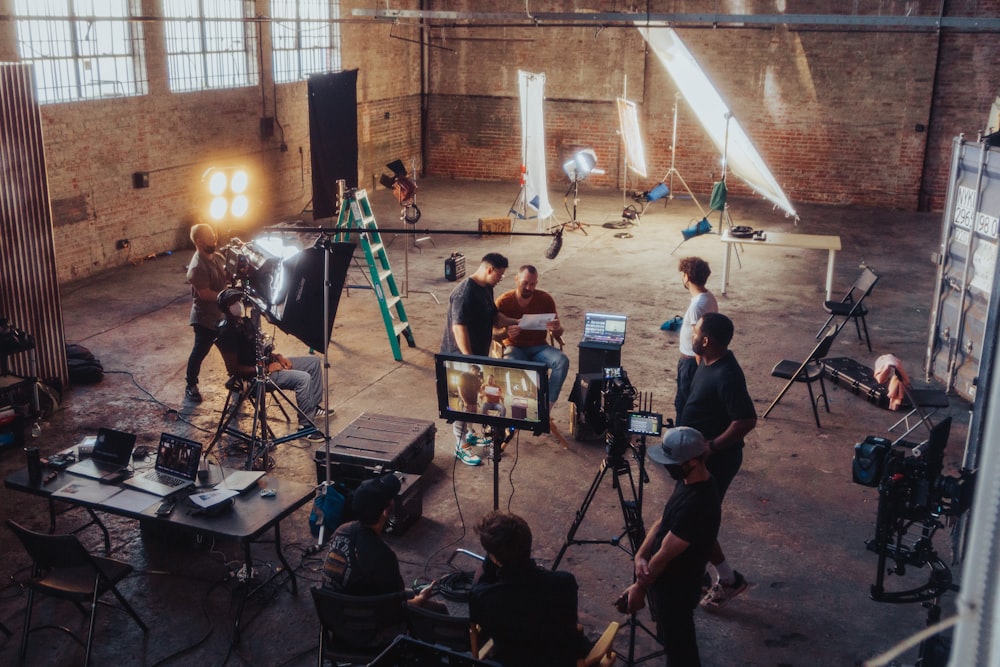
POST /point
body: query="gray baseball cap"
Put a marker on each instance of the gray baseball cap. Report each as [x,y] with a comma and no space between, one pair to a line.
[679,445]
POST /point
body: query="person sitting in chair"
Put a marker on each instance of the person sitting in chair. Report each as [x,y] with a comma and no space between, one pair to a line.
[529,612]
[237,340]
[359,561]
[492,397]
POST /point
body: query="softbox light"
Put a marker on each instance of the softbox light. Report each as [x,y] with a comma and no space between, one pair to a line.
[300,311]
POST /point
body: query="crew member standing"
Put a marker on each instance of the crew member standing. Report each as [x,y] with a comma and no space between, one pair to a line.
[207,275]
[720,408]
[694,274]
[472,314]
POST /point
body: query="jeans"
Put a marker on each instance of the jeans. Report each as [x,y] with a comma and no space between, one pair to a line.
[557,362]
[203,340]
[306,379]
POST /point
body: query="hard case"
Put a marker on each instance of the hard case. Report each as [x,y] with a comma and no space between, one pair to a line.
[858,378]
[397,444]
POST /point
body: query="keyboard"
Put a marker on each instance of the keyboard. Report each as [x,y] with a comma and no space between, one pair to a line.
[162,478]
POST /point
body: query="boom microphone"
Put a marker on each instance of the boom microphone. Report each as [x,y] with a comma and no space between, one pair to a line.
[555,246]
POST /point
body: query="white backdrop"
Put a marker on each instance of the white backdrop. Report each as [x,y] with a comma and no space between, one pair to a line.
[536,192]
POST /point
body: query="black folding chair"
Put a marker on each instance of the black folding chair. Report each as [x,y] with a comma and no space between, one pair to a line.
[852,306]
[808,371]
[63,568]
[356,628]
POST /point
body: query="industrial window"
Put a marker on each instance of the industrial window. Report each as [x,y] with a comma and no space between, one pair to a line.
[210,44]
[81,49]
[305,38]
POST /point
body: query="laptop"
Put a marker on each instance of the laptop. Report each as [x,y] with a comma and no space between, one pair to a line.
[176,467]
[603,331]
[112,453]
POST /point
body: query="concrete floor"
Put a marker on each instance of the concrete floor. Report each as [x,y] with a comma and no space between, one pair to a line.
[793,521]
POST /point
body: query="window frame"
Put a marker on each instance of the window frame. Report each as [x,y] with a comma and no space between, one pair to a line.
[203,71]
[305,57]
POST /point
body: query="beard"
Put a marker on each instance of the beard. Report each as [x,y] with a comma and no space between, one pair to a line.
[698,347]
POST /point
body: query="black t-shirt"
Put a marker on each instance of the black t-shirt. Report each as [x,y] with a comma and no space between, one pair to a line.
[360,563]
[693,514]
[238,338]
[530,614]
[718,397]
[471,305]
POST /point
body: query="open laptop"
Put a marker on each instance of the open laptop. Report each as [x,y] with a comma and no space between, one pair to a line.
[112,453]
[603,331]
[176,467]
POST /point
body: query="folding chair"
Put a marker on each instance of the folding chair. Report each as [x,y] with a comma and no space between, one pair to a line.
[808,371]
[436,628]
[852,307]
[62,568]
[356,628]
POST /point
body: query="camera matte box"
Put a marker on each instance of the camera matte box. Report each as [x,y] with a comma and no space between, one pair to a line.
[396,444]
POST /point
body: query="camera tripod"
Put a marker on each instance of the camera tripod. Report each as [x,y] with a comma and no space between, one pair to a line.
[260,439]
[624,483]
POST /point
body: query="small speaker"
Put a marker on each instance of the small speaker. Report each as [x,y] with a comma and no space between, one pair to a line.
[454,267]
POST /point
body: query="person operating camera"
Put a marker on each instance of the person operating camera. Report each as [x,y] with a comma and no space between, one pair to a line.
[237,340]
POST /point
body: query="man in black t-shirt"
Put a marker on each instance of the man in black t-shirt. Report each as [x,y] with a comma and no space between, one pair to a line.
[472,314]
[360,562]
[720,407]
[671,560]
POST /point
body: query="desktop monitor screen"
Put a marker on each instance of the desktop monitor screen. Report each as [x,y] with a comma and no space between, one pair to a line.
[500,392]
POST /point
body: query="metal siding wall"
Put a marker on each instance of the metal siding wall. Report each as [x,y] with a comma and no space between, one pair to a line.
[965,278]
[29,291]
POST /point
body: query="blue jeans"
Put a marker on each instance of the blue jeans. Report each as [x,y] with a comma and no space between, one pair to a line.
[557,362]
[305,377]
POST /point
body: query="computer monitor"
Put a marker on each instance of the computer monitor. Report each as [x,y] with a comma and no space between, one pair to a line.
[517,397]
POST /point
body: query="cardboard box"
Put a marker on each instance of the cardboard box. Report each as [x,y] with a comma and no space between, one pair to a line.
[495,225]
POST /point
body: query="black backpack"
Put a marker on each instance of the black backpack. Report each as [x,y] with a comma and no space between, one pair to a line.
[84,367]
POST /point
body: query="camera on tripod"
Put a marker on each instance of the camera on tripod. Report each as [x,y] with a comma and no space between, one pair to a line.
[617,400]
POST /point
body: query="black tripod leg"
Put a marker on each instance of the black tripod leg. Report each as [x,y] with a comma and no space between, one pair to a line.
[581,513]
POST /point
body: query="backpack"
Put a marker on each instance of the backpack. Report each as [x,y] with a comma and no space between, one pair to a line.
[84,367]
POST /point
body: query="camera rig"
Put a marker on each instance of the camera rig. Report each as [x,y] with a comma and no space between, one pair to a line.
[914,495]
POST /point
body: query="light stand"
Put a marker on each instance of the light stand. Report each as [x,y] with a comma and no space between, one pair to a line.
[673,169]
[499,437]
[573,223]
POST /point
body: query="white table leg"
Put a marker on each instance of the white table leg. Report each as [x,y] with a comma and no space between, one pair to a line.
[725,267]
[829,274]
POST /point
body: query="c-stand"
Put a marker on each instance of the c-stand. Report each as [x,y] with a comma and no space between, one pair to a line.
[260,439]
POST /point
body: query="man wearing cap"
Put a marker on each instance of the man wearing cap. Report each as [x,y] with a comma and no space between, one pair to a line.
[671,561]
[720,407]
[360,562]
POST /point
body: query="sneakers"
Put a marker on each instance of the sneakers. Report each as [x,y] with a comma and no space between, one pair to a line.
[316,436]
[473,440]
[192,394]
[466,455]
[320,413]
[721,593]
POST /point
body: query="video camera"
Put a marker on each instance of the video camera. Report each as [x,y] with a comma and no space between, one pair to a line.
[617,400]
[913,495]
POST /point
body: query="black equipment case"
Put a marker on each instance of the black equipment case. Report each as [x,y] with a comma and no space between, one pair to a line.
[397,444]
[858,378]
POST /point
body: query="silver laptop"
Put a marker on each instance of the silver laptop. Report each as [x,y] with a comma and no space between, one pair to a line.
[112,453]
[603,331]
[176,467]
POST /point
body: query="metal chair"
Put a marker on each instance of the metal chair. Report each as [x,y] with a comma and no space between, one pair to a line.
[62,568]
[807,371]
[436,628]
[852,306]
[356,628]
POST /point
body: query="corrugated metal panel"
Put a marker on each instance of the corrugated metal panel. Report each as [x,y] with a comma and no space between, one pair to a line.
[29,290]
[968,258]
